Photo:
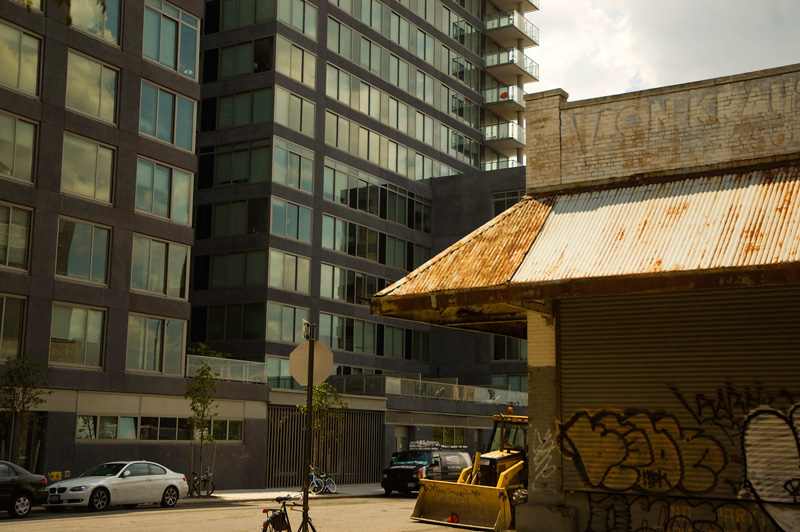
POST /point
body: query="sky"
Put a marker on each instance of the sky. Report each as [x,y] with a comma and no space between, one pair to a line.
[593,48]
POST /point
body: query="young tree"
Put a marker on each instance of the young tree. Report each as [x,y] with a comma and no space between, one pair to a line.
[327,411]
[21,392]
[200,392]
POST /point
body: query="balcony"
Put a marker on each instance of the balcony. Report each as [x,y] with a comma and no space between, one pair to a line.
[366,385]
[506,101]
[505,138]
[508,5]
[507,65]
[508,28]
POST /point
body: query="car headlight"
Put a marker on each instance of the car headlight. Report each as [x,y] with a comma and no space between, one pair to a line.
[79,488]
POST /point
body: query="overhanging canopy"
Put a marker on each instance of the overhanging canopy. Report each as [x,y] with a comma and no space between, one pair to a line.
[712,231]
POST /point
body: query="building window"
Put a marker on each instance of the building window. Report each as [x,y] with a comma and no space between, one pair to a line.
[15,224]
[450,436]
[20,60]
[296,63]
[347,334]
[394,342]
[241,13]
[515,383]
[82,251]
[167,116]
[170,37]
[240,218]
[91,88]
[420,345]
[12,314]
[348,285]
[100,20]
[507,348]
[289,272]
[294,165]
[236,322]
[285,323]
[159,267]
[87,168]
[152,428]
[244,108]
[502,201]
[17,140]
[340,38]
[291,220]
[294,112]
[163,191]
[245,58]
[300,15]
[234,164]
[155,345]
[76,336]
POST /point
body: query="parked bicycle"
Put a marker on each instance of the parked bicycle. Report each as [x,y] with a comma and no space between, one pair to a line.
[203,485]
[278,518]
[321,483]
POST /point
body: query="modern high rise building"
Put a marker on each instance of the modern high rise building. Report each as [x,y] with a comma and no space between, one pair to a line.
[181,172]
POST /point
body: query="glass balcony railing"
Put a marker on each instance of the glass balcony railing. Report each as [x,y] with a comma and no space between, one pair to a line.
[501,164]
[371,385]
[513,56]
[513,19]
[508,94]
[504,131]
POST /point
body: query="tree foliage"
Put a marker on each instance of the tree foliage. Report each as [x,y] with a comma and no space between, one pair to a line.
[200,392]
[21,392]
[327,409]
[204,350]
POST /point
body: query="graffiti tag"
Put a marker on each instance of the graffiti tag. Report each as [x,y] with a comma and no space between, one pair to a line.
[542,449]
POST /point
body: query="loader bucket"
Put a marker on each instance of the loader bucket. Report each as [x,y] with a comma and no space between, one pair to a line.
[465,505]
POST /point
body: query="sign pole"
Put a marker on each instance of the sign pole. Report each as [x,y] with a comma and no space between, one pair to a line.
[309,413]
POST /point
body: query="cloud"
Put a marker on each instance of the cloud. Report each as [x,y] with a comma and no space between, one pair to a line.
[594,49]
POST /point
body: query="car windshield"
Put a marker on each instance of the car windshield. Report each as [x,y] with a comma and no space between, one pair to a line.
[104,470]
[412,458]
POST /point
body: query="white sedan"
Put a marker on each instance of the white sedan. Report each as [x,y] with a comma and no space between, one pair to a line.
[124,483]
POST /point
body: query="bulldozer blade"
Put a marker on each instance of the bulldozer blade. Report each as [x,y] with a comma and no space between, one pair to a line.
[463,505]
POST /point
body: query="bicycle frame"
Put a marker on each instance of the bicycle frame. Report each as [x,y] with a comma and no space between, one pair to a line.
[279,517]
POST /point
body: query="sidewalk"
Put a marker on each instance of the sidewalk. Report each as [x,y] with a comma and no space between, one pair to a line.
[269,494]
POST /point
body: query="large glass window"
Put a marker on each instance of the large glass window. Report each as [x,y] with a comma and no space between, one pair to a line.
[91,87]
[507,348]
[300,15]
[87,168]
[285,323]
[15,226]
[240,218]
[163,191]
[291,220]
[12,314]
[294,112]
[236,322]
[246,58]
[288,272]
[159,267]
[82,251]
[17,139]
[99,19]
[240,13]
[235,163]
[155,344]
[294,165]
[244,108]
[19,66]
[76,335]
[171,37]
[295,62]
[167,116]
[347,334]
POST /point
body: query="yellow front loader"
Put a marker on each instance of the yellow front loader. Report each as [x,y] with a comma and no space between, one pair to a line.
[482,497]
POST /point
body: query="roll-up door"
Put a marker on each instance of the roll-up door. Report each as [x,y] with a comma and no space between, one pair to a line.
[659,390]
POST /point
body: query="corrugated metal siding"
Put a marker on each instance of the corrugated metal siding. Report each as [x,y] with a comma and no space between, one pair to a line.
[702,223]
[486,257]
[353,456]
[656,390]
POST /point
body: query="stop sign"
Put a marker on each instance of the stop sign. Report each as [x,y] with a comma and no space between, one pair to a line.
[323,363]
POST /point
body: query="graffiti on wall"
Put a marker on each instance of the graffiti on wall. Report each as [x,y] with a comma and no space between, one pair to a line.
[625,513]
[771,446]
[640,451]
[728,407]
[543,452]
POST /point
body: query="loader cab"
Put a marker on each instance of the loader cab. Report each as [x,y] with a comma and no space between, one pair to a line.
[509,433]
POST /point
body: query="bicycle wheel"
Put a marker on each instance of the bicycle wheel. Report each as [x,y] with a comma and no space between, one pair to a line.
[317,486]
[330,485]
[204,487]
[277,522]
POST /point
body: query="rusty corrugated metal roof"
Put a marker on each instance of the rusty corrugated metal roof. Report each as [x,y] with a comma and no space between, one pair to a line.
[722,223]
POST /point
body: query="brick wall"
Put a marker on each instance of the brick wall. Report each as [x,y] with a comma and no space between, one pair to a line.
[751,117]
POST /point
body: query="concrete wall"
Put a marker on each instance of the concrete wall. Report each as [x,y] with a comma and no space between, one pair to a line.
[716,123]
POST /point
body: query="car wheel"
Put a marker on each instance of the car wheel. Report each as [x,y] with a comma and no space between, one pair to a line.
[99,500]
[129,506]
[20,505]
[170,497]
[55,509]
